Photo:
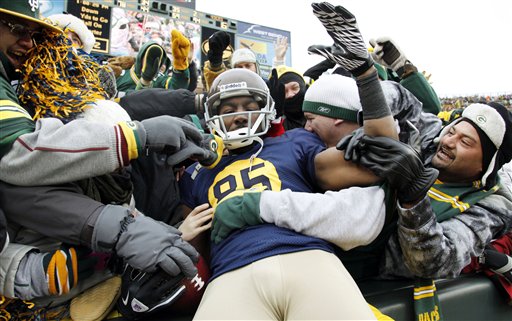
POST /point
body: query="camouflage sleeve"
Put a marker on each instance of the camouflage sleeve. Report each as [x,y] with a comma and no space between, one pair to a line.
[432,249]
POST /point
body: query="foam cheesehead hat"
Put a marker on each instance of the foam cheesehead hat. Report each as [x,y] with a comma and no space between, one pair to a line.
[76,25]
[244,55]
[333,96]
[27,10]
[493,123]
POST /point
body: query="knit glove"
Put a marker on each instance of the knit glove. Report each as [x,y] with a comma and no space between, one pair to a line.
[180,48]
[399,164]
[277,92]
[350,145]
[499,263]
[387,53]
[217,43]
[349,50]
[234,213]
[153,58]
[64,267]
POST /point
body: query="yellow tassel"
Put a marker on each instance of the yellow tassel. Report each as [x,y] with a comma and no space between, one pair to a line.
[59,82]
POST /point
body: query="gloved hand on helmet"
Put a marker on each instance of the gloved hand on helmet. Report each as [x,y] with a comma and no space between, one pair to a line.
[143,243]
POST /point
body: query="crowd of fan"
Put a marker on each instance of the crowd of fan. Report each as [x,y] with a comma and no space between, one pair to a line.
[450,103]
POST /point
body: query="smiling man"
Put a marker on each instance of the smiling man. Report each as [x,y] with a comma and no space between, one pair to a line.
[31,152]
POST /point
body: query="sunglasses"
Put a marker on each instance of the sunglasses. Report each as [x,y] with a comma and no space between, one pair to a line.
[21,31]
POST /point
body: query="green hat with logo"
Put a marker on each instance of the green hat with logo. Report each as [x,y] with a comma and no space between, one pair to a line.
[27,10]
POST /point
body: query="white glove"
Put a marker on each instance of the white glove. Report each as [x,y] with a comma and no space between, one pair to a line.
[387,53]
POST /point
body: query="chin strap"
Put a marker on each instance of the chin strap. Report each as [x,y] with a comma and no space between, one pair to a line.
[253,156]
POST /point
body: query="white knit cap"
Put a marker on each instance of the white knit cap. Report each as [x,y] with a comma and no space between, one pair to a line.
[244,55]
[334,96]
[64,20]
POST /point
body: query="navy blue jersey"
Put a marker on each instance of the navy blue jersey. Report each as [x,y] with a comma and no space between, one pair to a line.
[285,162]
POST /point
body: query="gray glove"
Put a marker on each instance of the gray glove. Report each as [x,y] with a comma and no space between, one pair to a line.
[205,152]
[399,164]
[173,135]
[143,243]
[349,49]
[387,53]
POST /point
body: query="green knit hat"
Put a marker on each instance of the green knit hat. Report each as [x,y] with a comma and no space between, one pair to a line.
[333,96]
[27,10]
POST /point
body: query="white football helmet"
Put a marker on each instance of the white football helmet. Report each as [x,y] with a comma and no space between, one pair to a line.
[234,83]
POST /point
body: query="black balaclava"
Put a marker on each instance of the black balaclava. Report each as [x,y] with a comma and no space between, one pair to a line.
[294,116]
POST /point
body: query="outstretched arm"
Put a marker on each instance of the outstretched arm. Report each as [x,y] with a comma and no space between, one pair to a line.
[349,51]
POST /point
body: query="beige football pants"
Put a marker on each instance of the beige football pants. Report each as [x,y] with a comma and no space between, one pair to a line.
[306,285]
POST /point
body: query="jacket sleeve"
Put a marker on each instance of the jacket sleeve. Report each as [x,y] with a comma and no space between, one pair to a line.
[347,218]
[152,102]
[434,249]
[60,212]
[417,128]
[419,86]
[9,263]
[210,73]
[55,153]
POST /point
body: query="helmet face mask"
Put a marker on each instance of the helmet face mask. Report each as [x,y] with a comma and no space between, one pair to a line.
[239,83]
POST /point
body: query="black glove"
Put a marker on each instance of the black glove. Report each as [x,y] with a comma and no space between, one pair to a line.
[349,49]
[217,43]
[399,164]
[499,263]
[317,70]
[277,92]
[350,145]
[153,59]
[168,135]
